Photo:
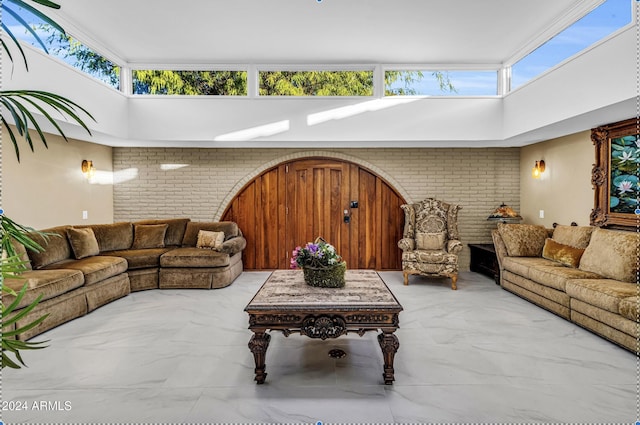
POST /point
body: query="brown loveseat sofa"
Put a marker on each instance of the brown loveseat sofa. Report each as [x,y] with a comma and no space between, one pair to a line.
[584,274]
[85,267]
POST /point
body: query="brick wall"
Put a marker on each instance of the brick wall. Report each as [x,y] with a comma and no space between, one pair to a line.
[199,183]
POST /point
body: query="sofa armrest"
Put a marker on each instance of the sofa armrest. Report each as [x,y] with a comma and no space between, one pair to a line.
[233,245]
[407,244]
[501,249]
[454,246]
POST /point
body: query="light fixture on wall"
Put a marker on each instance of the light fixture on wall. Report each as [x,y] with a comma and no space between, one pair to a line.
[87,168]
[538,169]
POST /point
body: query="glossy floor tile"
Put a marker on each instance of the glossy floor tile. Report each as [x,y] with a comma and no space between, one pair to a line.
[475,355]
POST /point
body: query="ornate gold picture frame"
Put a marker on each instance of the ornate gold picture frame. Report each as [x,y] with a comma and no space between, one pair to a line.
[615,175]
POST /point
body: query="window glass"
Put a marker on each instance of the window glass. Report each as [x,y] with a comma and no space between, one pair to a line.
[593,27]
[441,83]
[193,83]
[63,46]
[316,83]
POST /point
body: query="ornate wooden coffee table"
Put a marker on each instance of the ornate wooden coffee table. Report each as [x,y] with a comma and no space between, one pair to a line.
[286,303]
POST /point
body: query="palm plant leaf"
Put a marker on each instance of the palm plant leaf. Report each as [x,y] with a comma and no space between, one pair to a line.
[6,48]
[26,26]
[17,102]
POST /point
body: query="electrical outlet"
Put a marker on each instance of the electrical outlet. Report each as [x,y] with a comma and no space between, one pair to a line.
[541,213]
[85,215]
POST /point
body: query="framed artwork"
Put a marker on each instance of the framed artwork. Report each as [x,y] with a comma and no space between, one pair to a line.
[615,175]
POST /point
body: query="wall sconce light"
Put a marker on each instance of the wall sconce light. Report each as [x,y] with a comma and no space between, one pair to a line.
[538,169]
[87,168]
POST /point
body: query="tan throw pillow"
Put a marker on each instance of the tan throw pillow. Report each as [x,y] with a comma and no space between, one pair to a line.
[577,236]
[210,240]
[148,236]
[21,252]
[83,242]
[523,240]
[563,254]
[612,254]
[431,241]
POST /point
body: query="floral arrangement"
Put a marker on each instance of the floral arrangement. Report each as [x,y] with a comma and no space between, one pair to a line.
[316,254]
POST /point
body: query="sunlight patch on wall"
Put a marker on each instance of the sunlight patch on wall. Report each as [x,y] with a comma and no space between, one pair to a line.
[169,167]
[114,177]
[359,108]
[255,132]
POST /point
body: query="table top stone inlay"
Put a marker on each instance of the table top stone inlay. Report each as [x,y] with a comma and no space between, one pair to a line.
[287,289]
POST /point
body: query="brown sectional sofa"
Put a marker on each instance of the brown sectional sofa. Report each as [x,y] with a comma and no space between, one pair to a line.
[80,271]
[584,274]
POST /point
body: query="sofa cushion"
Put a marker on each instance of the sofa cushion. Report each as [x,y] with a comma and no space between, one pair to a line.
[148,236]
[576,236]
[56,247]
[522,265]
[431,256]
[95,269]
[229,228]
[83,242]
[49,283]
[115,236]
[194,257]
[523,240]
[430,240]
[630,308]
[603,293]
[210,240]
[564,254]
[175,229]
[139,258]
[557,277]
[612,254]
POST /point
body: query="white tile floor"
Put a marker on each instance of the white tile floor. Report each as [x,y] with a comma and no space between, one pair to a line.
[476,355]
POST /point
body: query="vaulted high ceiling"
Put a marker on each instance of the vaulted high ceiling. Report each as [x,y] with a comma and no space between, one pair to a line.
[313,31]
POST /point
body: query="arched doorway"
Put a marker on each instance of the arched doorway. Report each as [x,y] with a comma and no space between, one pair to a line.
[296,201]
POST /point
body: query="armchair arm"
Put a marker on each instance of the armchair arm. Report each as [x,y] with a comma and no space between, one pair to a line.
[407,244]
[233,245]
[501,250]
[454,246]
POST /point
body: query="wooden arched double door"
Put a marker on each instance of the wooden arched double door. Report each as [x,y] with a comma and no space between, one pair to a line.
[295,202]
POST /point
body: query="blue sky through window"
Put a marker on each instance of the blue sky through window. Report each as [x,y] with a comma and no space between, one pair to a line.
[466,83]
[593,27]
[50,37]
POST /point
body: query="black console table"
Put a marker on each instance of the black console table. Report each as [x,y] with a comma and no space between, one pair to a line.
[484,260]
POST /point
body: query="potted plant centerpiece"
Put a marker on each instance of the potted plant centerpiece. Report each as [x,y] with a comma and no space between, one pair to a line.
[321,264]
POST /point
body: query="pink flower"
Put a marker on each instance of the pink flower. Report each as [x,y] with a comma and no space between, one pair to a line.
[624,186]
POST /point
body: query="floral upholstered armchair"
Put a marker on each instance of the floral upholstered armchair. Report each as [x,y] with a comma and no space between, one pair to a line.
[430,242]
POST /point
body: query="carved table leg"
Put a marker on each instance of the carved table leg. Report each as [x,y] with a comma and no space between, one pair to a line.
[258,345]
[389,344]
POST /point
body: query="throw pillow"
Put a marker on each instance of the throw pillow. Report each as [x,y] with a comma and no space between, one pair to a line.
[612,254]
[523,240]
[563,254]
[210,240]
[21,252]
[83,242]
[577,236]
[431,241]
[148,236]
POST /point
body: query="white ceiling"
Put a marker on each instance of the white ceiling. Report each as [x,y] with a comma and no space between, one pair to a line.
[316,32]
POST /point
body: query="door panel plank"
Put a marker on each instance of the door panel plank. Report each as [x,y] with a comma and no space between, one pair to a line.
[293,203]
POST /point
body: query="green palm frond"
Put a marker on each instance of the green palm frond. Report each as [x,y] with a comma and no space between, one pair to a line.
[21,104]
